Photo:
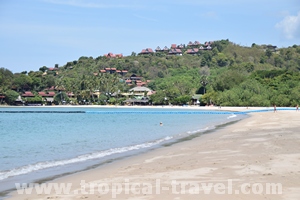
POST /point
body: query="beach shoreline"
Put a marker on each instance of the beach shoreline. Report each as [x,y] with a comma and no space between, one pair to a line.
[255,149]
[145,106]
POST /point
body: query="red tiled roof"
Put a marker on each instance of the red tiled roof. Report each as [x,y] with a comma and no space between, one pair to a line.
[118,71]
[107,69]
[191,51]
[51,69]
[95,73]
[124,71]
[149,50]
[110,55]
[146,51]
[175,51]
[51,94]
[102,70]
[43,94]
[113,69]
[2,97]
[128,81]
[28,94]
[173,46]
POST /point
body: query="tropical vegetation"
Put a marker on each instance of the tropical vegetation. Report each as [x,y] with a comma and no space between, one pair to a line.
[226,75]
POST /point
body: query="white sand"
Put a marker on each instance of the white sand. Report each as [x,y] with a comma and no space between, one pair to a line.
[262,149]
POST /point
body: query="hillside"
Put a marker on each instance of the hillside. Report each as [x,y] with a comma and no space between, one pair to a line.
[225,73]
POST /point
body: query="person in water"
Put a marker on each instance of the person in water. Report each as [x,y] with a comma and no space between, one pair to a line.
[160,123]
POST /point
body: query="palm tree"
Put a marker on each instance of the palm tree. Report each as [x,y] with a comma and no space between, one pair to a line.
[60,86]
[204,82]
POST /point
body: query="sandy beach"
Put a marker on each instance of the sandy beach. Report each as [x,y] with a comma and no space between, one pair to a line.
[255,158]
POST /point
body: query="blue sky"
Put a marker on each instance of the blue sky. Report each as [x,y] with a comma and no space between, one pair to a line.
[36,33]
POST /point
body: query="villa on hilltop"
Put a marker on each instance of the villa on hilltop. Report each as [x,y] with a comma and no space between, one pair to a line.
[111,55]
[191,48]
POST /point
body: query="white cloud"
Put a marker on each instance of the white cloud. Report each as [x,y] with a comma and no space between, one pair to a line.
[290,26]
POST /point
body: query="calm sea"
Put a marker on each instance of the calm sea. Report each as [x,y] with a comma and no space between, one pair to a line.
[53,141]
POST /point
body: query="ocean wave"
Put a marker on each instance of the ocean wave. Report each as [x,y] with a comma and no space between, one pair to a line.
[197,131]
[231,116]
[43,165]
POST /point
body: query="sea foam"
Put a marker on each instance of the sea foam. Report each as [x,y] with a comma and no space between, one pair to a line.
[44,165]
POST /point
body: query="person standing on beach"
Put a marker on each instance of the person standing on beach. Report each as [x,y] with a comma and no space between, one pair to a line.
[297,108]
[275,108]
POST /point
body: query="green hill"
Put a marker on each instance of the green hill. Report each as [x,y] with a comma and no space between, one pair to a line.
[223,72]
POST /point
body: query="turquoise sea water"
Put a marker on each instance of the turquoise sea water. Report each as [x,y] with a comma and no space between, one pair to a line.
[56,140]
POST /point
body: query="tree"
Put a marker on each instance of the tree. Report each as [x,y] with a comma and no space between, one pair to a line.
[48,81]
[268,53]
[22,82]
[36,99]
[11,96]
[181,100]
[43,69]
[204,71]
[221,44]
[210,97]
[278,61]
[222,60]
[249,67]
[6,78]
[158,98]
[61,98]
[227,80]
[36,83]
[204,81]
